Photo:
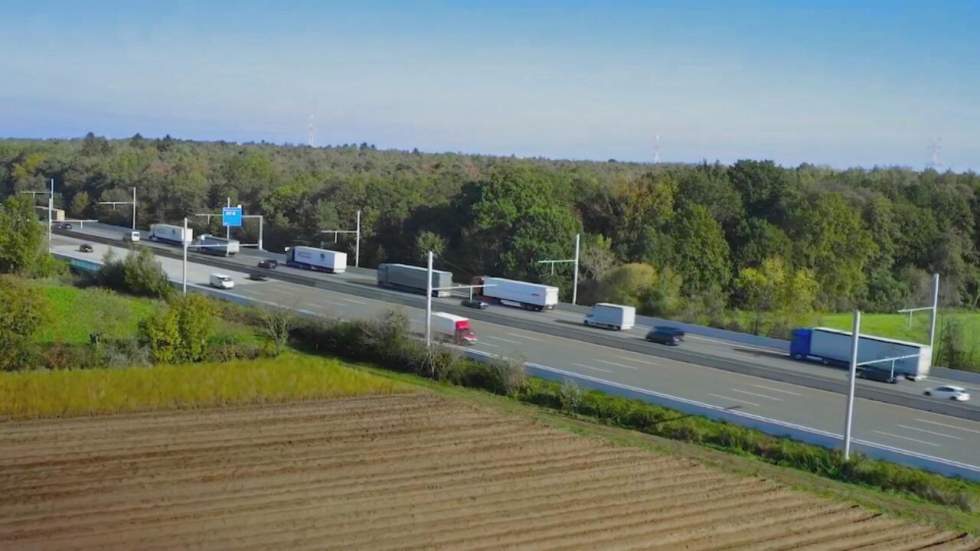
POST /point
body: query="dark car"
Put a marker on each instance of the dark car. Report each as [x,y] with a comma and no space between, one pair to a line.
[64,226]
[268,263]
[256,276]
[872,374]
[474,303]
[670,336]
[85,248]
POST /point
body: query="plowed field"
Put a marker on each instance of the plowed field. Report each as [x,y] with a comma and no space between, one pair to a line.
[403,471]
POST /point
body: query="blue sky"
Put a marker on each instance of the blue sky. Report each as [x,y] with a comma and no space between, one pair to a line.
[837,83]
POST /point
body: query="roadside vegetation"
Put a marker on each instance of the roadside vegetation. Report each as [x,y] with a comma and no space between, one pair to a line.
[291,377]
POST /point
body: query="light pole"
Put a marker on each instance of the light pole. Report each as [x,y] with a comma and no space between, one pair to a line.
[933,312]
[855,336]
[357,238]
[114,203]
[183,240]
[569,261]
[50,210]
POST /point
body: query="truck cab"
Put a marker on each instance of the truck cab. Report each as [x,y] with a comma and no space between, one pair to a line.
[455,329]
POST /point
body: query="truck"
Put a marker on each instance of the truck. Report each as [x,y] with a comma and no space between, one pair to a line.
[413,279]
[611,316]
[318,260]
[212,244]
[168,233]
[131,236]
[530,296]
[454,329]
[833,347]
[221,281]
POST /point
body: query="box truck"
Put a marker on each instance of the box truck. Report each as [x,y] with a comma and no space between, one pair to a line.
[319,260]
[412,279]
[170,234]
[833,347]
[455,329]
[611,316]
[530,296]
[219,246]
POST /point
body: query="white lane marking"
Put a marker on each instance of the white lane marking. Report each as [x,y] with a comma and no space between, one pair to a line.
[639,361]
[617,364]
[927,431]
[774,389]
[893,435]
[490,344]
[599,369]
[307,312]
[518,335]
[729,398]
[757,395]
[503,339]
[354,300]
[947,425]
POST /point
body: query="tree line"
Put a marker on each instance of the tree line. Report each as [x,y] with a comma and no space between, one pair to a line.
[686,240]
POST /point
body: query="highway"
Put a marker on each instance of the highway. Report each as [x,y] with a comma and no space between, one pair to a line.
[877,422]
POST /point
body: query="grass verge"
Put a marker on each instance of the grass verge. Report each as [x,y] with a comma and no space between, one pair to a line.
[67,393]
[75,313]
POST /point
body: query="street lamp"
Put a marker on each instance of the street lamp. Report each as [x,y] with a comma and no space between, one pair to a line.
[934,309]
[568,261]
[114,203]
[357,238]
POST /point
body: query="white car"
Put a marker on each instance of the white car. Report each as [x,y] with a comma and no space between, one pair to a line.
[221,281]
[950,392]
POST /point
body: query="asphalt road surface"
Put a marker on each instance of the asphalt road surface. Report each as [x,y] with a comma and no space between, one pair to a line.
[905,428]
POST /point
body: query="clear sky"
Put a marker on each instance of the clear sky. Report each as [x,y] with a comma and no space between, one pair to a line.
[839,83]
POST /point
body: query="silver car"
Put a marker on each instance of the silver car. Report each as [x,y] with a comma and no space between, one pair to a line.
[949,392]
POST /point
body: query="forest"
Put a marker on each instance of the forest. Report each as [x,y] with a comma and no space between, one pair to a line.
[697,242]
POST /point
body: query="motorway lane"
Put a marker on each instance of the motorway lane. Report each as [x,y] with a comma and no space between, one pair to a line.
[363,281]
[877,422]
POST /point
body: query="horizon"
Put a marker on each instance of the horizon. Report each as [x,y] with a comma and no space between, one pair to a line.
[834,85]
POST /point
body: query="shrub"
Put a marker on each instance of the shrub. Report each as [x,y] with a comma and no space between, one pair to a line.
[23,309]
[179,333]
[139,274]
[569,396]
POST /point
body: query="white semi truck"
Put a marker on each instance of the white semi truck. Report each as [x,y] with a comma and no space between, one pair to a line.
[530,296]
[455,329]
[833,347]
[611,316]
[321,260]
[212,244]
[412,279]
[168,233]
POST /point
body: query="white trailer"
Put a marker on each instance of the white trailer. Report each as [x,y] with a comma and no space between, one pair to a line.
[322,260]
[455,329]
[833,347]
[531,296]
[611,316]
[212,244]
[168,233]
[413,279]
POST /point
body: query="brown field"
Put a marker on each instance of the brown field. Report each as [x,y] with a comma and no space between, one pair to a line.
[403,471]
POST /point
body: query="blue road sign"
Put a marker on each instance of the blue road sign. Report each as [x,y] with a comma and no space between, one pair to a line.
[231,216]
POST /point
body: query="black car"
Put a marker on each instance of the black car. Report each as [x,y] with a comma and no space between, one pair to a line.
[873,374]
[670,336]
[64,226]
[268,263]
[475,303]
[255,276]
[85,248]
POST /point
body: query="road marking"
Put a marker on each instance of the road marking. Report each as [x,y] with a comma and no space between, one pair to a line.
[927,431]
[354,300]
[948,426]
[607,362]
[757,395]
[733,399]
[525,337]
[774,389]
[490,344]
[644,362]
[933,444]
[599,369]
[503,339]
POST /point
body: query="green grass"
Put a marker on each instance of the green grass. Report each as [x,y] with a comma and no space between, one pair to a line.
[75,313]
[290,377]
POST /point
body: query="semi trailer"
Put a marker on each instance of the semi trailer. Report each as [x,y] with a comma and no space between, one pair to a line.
[833,347]
[611,316]
[413,279]
[320,260]
[455,329]
[168,233]
[509,292]
[219,246]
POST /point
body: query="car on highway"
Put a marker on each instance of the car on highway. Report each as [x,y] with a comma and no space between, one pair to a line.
[63,226]
[85,248]
[949,392]
[663,334]
[268,263]
[256,276]
[475,303]
[221,281]
[877,374]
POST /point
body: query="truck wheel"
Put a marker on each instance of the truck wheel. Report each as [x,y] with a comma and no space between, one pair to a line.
[798,357]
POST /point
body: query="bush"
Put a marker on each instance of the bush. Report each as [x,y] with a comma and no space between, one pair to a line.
[23,309]
[138,274]
[569,396]
[179,333]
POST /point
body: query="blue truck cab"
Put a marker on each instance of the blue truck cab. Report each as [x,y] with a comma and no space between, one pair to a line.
[799,346]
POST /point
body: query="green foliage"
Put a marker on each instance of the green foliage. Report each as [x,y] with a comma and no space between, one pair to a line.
[642,286]
[140,274]
[23,310]
[429,241]
[953,352]
[700,252]
[22,236]
[786,295]
[180,332]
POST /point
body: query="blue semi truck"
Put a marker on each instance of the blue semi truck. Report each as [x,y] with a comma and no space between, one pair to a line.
[833,347]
